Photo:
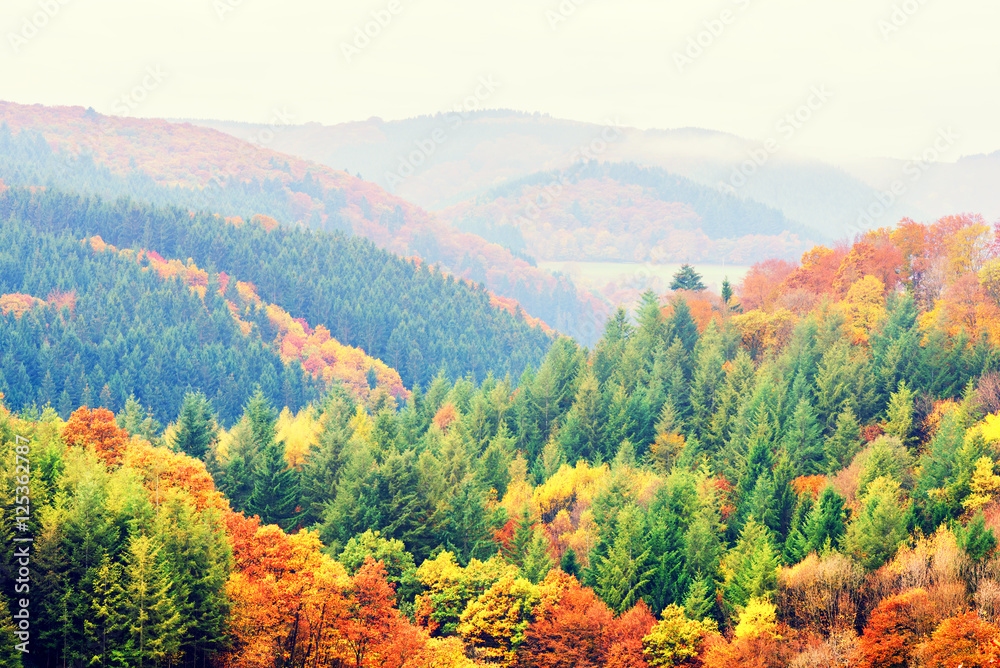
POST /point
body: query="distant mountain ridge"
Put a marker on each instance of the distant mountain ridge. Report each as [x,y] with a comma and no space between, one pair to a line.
[201,168]
[483,149]
[627,213]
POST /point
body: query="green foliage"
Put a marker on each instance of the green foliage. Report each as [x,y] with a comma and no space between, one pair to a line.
[623,574]
[751,567]
[676,640]
[196,428]
[686,278]
[976,539]
[874,535]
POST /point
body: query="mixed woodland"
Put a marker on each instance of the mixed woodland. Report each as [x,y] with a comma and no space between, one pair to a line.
[256,444]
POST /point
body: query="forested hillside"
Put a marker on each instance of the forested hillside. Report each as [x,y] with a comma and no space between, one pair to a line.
[801,473]
[201,169]
[622,212]
[409,316]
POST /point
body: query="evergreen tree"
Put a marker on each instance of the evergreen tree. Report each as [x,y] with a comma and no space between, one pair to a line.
[726,294]
[845,441]
[880,526]
[899,415]
[196,428]
[803,440]
[155,626]
[686,278]
[622,575]
[569,564]
[825,523]
[751,567]
[276,490]
[682,326]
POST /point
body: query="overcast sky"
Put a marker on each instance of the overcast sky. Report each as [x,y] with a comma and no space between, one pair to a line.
[894,79]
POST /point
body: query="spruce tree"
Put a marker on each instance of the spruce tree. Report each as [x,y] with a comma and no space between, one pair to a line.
[803,440]
[569,564]
[276,490]
[686,278]
[196,428]
[825,523]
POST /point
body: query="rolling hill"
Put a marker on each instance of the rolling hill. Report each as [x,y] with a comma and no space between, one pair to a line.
[199,168]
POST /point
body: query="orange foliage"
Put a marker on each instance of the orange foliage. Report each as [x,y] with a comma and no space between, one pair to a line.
[61,299]
[266,222]
[894,630]
[320,354]
[511,306]
[163,470]
[962,642]
[762,284]
[18,303]
[445,416]
[817,271]
[872,431]
[764,651]
[573,630]
[875,255]
[809,484]
[95,429]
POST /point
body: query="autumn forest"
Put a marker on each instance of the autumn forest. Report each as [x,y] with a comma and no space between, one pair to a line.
[287,422]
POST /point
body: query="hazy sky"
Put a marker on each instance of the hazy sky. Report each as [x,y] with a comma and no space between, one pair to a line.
[896,72]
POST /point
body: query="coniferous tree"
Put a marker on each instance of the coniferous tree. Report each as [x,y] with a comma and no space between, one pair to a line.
[624,573]
[825,523]
[686,278]
[196,428]
[803,440]
[569,564]
[276,490]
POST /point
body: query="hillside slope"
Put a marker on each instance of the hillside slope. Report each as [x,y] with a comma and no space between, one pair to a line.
[622,212]
[199,168]
[454,157]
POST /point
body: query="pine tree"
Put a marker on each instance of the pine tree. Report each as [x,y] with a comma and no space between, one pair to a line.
[623,575]
[682,326]
[196,428]
[899,415]
[537,562]
[686,278]
[751,567]
[845,442]
[803,440]
[107,623]
[825,523]
[155,626]
[276,489]
[700,598]
[569,564]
